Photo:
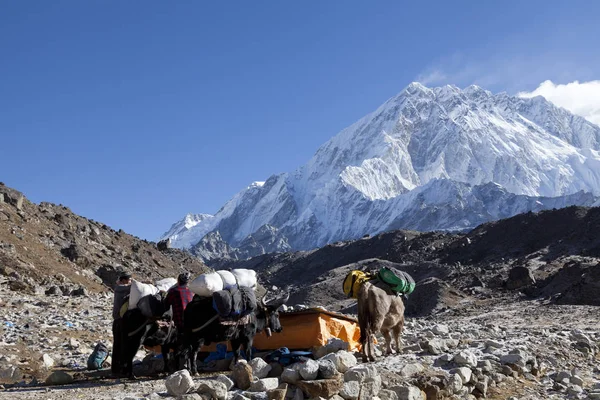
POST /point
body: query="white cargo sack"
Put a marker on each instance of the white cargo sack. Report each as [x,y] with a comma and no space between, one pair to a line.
[206,284]
[228,279]
[166,284]
[139,290]
[245,277]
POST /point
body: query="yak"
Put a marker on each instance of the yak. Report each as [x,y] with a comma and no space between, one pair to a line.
[203,327]
[379,310]
[138,330]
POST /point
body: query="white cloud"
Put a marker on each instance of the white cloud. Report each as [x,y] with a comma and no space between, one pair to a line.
[579,98]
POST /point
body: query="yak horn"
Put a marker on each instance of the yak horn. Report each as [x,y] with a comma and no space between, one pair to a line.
[262,301]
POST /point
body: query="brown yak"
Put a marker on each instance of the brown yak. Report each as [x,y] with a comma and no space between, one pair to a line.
[379,310]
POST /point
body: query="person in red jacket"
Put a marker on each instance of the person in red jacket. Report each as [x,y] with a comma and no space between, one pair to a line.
[178,298]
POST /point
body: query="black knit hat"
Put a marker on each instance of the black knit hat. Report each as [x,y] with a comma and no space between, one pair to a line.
[124,275]
[183,278]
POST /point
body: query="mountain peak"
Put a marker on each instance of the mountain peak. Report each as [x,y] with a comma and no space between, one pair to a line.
[426,159]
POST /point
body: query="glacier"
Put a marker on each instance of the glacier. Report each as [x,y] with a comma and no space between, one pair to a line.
[427,159]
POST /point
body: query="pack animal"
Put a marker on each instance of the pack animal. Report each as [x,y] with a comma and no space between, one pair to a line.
[138,330]
[203,327]
[379,310]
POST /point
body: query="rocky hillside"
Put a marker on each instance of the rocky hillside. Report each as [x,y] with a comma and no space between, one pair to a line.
[47,248]
[552,253]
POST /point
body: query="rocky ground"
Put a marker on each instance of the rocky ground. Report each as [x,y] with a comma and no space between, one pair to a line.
[499,348]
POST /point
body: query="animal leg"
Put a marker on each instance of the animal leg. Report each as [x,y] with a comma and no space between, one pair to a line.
[372,347]
[388,341]
[193,355]
[236,346]
[165,350]
[248,347]
[397,335]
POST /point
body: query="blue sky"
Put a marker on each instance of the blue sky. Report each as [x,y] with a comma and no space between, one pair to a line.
[135,113]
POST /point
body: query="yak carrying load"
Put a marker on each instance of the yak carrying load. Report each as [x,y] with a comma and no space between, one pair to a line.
[232,291]
[399,282]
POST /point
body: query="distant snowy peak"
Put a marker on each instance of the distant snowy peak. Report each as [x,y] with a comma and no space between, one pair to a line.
[184,233]
[427,158]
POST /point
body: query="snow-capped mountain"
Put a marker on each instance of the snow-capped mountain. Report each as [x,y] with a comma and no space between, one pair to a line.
[183,234]
[427,159]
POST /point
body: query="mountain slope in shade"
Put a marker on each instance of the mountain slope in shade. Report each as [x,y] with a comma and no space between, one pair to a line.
[428,159]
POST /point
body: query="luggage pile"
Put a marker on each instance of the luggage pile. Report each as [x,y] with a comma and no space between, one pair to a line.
[148,298]
[399,282]
[232,292]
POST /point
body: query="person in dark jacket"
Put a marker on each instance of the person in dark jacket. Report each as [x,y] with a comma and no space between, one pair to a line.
[178,298]
[121,291]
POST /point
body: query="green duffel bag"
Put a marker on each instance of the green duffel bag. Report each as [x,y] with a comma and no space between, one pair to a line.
[399,281]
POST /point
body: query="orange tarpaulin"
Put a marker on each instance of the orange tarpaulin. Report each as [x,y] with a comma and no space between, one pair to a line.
[306,329]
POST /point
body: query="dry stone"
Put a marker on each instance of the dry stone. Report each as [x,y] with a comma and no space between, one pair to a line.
[179,383]
[385,394]
[327,369]
[242,375]
[350,390]
[59,378]
[322,388]
[308,369]
[260,368]
[408,393]
[343,360]
[360,373]
[262,385]
[224,379]
[290,375]
[214,388]
[466,358]
[409,370]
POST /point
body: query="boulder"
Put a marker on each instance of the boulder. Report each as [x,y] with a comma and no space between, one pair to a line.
[10,374]
[327,369]
[437,346]
[179,383]
[290,375]
[464,373]
[279,393]
[409,370]
[519,277]
[224,379]
[59,378]
[343,360]
[214,388]
[260,368]
[360,373]
[370,388]
[516,359]
[325,388]
[350,390]
[440,329]
[262,385]
[408,393]
[48,361]
[308,369]
[385,394]
[465,358]
[242,375]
